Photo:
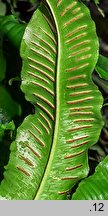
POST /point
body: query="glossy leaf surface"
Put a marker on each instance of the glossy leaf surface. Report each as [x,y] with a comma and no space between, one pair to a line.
[59,51]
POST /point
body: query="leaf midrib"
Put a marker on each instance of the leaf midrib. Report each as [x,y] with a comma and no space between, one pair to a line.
[57,112]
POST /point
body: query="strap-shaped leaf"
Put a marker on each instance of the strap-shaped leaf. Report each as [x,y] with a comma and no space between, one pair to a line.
[30,151]
[76,105]
[94,187]
[59,52]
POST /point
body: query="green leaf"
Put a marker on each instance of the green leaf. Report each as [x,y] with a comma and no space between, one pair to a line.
[8,110]
[2,59]
[2,8]
[94,187]
[102,67]
[97,1]
[7,126]
[49,156]
[12,29]
[34,1]
[8,107]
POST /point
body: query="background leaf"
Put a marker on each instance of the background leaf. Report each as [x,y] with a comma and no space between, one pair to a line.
[12,29]
[2,8]
[102,67]
[2,59]
[94,187]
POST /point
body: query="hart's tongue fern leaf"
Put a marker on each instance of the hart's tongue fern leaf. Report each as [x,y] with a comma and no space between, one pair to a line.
[59,52]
